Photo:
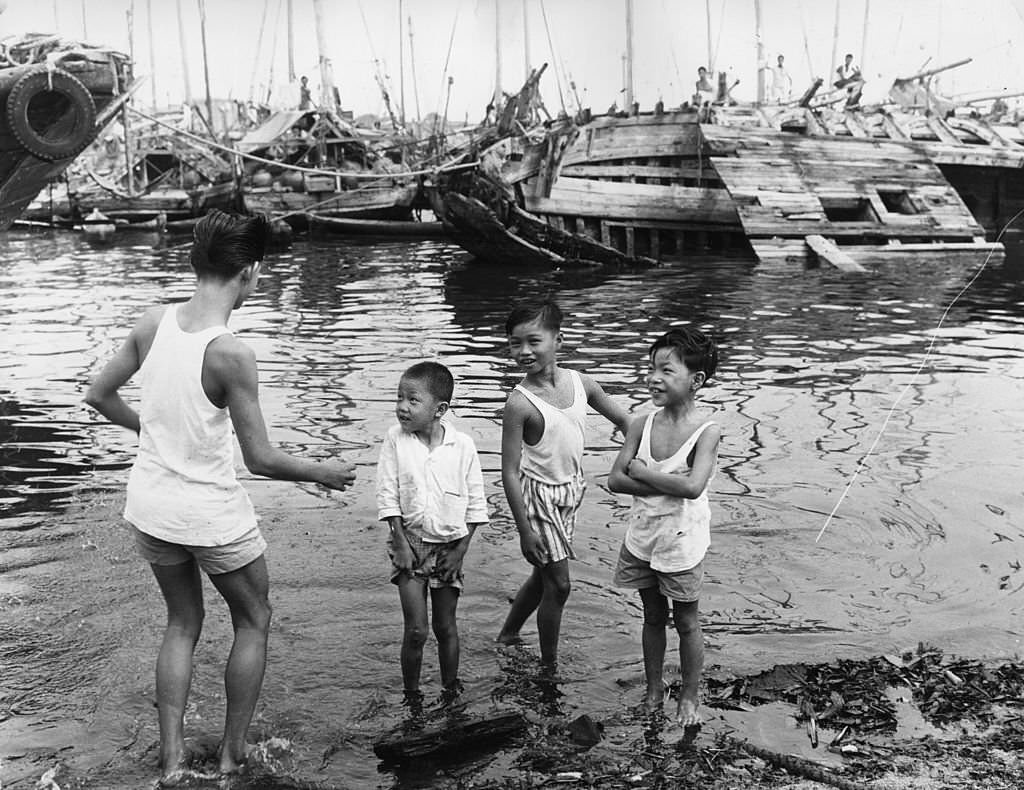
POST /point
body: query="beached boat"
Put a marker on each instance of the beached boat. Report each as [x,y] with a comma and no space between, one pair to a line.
[850,186]
[56,96]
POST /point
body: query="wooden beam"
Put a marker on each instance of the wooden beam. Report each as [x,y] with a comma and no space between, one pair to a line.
[828,252]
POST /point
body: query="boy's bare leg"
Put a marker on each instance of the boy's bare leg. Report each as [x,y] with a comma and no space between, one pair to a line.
[523,605]
[654,641]
[413,594]
[444,601]
[246,593]
[182,589]
[557,587]
[691,661]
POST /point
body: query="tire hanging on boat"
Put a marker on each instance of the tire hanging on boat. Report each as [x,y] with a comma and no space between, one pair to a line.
[28,108]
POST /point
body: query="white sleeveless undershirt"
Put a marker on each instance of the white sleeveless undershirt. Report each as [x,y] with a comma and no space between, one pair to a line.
[182,487]
[558,457]
[671,533]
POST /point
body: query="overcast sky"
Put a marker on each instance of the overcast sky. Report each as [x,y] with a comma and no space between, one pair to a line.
[583,41]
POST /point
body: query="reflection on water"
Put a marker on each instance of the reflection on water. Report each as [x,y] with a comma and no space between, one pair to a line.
[925,547]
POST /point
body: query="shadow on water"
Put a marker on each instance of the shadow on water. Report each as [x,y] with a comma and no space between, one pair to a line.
[925,547]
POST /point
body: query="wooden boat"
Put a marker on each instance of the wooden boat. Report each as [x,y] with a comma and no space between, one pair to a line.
[56,96]
[349,226]
[313,161]
[849,186]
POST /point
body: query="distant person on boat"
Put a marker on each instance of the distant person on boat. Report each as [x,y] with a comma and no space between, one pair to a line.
[305,97]
[187,511]
[851,79]
[430,493]
[542,434]
[666,462]
[782,83]
[705,92]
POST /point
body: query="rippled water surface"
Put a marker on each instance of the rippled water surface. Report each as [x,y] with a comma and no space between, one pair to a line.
[926,545]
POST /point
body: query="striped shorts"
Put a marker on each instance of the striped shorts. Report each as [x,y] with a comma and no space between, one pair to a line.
[551,510]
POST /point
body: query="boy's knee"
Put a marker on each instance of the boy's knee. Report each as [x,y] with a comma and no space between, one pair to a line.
[686,622]
[259,615]
[445,630]
[559,589]
[657,618]
[415,634]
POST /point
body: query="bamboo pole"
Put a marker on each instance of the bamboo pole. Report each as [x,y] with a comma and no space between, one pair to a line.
[326,69]
[526,41]
[184,57]
[759,36]
[401,67]
[125,120]
[291,44]
[628,76]
[864,35]
[835,46]
[497,56]
[711,49]
[206,64]
[412,69]
[152,52]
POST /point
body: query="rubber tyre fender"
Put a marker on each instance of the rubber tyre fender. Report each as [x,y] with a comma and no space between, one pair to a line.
[42,80]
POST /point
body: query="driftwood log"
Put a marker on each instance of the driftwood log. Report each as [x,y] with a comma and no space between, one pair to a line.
[452,735]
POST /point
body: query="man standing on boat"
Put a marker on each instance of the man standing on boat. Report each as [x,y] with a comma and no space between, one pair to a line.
[782,83]
[851,79]
[705,92]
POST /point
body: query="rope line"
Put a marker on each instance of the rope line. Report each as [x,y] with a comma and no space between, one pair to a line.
[913,378]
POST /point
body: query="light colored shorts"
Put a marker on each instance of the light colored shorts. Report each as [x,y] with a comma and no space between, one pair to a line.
[551,510]
[213,560]
[425,567]
[635,573]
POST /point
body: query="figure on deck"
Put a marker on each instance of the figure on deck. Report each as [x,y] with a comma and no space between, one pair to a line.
[705,92]
[305,99]
[851,79]
[782,83]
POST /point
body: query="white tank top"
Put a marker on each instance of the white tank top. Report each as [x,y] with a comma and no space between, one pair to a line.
[558,457]
[182,487]
[671,533]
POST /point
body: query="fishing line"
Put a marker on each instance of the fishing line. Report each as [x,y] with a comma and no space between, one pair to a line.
[913,378]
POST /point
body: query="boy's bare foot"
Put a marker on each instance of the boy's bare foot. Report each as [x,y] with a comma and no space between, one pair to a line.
[174,762]
[688,714]
[654,699]
[233,764]
[508,639]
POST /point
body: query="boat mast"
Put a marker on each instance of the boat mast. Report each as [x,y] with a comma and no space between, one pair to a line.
[326,70]
[526,41]
[184,57]
[401,68]
[760,52]
[152,54]
[497,56]
[125,121]
[206,66]
[835,46]
[711,50]
[412,69]
[291,44]
[85,28]
[864,34]
[629,56]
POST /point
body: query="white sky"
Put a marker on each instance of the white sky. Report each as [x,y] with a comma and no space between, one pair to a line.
[588,38]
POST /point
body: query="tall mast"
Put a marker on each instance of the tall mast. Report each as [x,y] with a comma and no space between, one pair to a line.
[497,55]
[412,70]
[326,70]
[629,56]
[760,52]
[864,34]
[401,67]
[85,27]
[835,46]
[711,49]
[526,41]
[184,57]
[152,53]
[125,121]
[206,65]
[291,44]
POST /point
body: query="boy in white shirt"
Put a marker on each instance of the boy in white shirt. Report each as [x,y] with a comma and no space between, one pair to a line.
[430,491]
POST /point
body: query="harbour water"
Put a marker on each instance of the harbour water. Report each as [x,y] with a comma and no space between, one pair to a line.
[926,546]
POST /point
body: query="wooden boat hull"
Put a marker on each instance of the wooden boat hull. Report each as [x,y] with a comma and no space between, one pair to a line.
[350,226]
[53,107]
[378,202]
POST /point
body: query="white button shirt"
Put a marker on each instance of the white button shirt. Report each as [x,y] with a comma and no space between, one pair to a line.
[436,492]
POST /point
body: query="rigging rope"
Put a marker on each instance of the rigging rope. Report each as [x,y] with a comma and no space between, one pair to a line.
[554,60]
[913,378]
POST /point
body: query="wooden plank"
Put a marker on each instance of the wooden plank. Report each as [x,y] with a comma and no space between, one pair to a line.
[827,251]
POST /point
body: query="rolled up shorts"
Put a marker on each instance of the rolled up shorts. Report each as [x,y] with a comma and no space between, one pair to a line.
[683,586]
[425,568]
[213,560]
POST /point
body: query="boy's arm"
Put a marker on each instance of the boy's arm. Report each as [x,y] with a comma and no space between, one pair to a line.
[619,480]
[693,482]
[512,423]
[601,402]
[103,393]
[404,556]
[232,366]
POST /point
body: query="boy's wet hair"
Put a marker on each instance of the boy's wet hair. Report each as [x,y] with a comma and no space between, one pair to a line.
[224,244]
[695,349]
[436,376]
[547,313]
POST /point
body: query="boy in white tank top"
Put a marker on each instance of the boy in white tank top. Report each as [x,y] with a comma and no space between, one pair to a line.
[666,463]
[189,513]
[542,433]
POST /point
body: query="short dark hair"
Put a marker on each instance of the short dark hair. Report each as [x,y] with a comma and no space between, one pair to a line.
[224,244]
[695,349]
[436,376]
[547,312]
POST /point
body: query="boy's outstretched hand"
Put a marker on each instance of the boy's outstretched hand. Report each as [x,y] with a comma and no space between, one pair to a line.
[533,548]
[338,475]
